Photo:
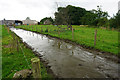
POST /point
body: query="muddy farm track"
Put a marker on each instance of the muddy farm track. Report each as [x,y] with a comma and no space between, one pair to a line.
[68,60]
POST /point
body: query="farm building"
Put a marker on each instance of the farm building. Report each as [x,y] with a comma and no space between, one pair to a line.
[8,22]
[18,22]
[28,21]
[47,22]
[0,22]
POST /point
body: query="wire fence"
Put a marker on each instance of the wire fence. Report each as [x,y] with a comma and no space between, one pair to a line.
[16,44]
[65,33]
[99,38]
[24,56]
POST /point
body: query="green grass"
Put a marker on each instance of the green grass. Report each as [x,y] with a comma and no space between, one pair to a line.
[107,40]
[12,60]
[0,51]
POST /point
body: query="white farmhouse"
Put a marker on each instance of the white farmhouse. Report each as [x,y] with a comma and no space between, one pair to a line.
[28,21]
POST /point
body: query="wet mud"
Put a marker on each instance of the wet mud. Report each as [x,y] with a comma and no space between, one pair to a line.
[67,60]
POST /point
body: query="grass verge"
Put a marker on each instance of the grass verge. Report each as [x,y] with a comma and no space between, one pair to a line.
[12,60]
[107,40]
[0,52]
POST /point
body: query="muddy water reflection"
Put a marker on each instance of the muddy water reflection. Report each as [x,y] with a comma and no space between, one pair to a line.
[67,60]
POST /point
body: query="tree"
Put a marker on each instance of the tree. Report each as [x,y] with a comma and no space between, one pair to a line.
[69,15]
[88,18]
[95,17]
[72,15]
[115,21]
[46,18]
[75,14]
[101,17]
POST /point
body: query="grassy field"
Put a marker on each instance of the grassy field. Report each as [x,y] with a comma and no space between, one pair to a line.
[107,40]
[12,60]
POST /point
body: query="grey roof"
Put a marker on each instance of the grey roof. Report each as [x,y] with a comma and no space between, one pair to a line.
[8,22]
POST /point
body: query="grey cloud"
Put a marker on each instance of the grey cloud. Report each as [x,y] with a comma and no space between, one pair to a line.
[38,9]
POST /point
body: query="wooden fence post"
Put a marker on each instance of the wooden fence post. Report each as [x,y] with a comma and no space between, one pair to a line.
[41,29]
[95,37]
[58,32]
[8,29]
[17,45]
[112,29]
[13,45]
[47,29]
[72,34]
[36,28]
[36,67]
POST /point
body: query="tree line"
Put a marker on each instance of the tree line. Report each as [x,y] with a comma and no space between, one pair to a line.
[71,15]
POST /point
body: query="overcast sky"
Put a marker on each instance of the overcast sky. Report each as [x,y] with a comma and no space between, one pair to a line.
[38,9]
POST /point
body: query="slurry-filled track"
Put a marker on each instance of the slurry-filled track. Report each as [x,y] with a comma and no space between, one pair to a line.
[68,60]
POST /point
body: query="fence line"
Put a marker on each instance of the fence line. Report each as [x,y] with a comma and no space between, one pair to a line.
[72,33]
[95,37]
[25,56]
[18,44]
[60,30]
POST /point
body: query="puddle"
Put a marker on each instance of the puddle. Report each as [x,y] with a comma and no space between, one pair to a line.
[67,60]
